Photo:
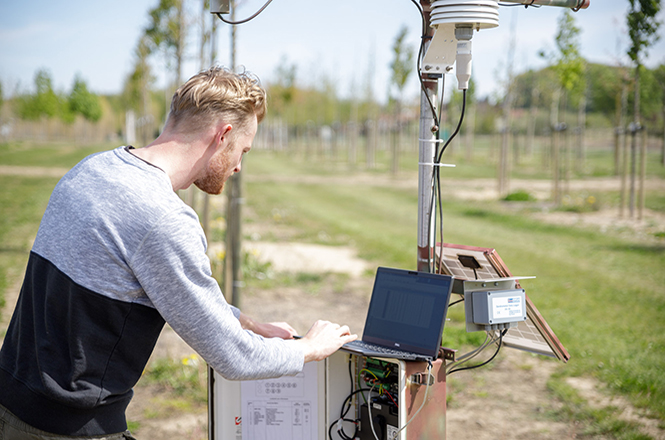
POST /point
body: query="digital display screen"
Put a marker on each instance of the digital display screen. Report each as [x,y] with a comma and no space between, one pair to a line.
[408,309]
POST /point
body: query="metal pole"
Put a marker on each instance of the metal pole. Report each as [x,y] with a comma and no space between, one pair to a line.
[426,156]
[235,200]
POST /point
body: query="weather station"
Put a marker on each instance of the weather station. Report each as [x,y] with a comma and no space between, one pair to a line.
[364,395]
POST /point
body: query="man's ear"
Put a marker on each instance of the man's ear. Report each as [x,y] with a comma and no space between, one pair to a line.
[224,132]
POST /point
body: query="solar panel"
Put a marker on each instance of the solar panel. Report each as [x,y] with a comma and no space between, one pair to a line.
[475,263]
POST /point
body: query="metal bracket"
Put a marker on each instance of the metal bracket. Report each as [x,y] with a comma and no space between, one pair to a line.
[447,353]
[220,6]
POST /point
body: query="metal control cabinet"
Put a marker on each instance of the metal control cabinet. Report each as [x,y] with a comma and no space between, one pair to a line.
[330,385]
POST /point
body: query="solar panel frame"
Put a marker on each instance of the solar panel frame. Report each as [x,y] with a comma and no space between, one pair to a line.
[533,335]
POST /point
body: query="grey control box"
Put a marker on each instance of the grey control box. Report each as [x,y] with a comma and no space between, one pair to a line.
[495,309]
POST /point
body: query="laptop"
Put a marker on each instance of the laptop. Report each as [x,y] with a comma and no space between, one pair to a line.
[406,315]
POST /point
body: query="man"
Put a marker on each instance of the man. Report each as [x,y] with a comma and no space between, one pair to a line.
[117,254]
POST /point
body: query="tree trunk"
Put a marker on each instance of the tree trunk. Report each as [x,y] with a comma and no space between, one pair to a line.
[556,190]
[643,172]
[180,47]
[624,174]
[580,164]
[531,125]
[633,143]
[470,131]
[662,145]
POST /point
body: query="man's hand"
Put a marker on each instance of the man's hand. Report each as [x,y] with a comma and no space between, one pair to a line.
[323,339]
[268,330]
[275,330]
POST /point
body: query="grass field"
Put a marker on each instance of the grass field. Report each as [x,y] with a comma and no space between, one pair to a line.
[603,295]
[23,200]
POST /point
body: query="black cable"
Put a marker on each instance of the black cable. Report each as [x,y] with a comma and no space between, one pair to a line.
[423,28]
[246,19]
[526,5]
[484,363]
[459,125]
[436,178]
[436,120]
[341,432]
[344,411]
[350,373]
[423,37]
[456,302]
[439,197]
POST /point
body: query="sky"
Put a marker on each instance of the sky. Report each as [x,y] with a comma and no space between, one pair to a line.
[346,41]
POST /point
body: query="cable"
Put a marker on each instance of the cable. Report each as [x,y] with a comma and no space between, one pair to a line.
[392,398]
[466,357]
[369,414]
[423,28]
[346,406]
[427,387]
[456,302]
[459,125]
[487,361]
[376,379]
[246,19]
[436,182]
[423,37]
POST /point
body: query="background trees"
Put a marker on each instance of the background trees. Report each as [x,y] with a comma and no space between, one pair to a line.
[314,113]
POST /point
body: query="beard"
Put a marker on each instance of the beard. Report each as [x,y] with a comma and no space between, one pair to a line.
[214,178]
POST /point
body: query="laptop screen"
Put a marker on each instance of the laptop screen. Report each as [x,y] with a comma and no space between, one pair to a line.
[407,310]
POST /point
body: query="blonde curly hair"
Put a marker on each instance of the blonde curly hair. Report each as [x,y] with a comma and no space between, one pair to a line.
[213,94]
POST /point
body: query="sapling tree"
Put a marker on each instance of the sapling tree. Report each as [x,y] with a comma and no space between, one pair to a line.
[401,67]
[643,32]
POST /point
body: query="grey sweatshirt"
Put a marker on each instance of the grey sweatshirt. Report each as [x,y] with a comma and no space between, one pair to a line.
[116,255]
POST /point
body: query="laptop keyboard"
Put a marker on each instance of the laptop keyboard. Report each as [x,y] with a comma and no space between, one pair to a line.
[379,349]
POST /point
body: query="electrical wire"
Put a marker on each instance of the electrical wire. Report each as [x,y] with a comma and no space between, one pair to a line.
[473,353]
[369,414]
[423,37]
[487,361]
[456,302]
[427,387]
[246,19]
[346,406]
[457,129]
[376,379]
[436,183]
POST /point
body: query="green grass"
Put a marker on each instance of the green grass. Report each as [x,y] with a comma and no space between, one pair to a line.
[594,422]
[602,295]
[186,378]
[23,200]
[22,203]
[46,155]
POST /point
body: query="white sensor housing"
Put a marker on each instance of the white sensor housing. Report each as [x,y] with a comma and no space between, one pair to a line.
[454,21]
